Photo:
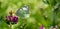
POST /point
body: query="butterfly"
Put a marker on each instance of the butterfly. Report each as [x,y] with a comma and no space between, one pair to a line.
[23,12]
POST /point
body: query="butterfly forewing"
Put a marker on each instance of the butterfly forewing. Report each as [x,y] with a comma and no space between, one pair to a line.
[22,12]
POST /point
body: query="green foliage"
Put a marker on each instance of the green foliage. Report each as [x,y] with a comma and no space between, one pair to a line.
[35,13]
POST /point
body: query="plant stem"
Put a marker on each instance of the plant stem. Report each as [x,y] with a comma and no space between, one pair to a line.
[10,25]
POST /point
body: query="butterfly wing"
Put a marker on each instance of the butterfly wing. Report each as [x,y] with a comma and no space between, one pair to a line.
[23,11]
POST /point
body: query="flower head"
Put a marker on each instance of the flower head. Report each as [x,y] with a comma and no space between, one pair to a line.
[42,27]
[12,18]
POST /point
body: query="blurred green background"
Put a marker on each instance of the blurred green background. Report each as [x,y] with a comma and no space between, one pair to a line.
[41,12]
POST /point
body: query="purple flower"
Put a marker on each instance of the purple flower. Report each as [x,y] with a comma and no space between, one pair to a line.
[42,27]
[12,19]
